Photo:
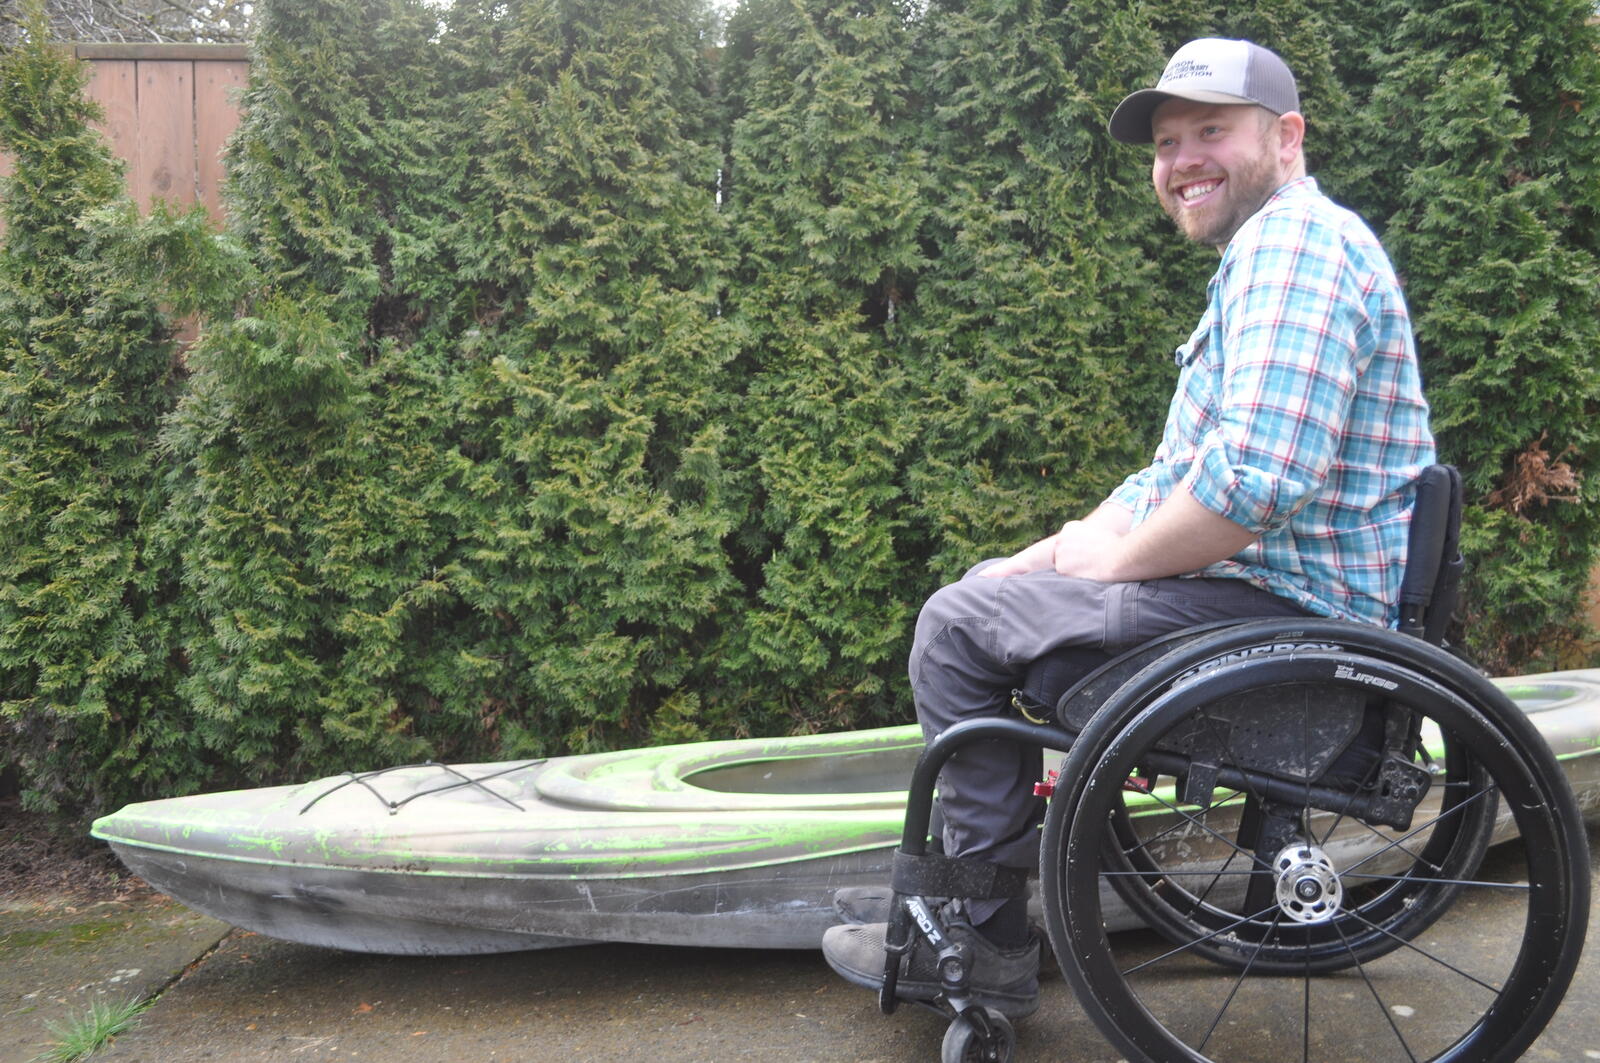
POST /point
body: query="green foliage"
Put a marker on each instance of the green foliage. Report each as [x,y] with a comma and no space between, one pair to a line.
[1041,329]
[827,202]
[309,496]
[572,376]
[594,406]
[452,485]
[86,374]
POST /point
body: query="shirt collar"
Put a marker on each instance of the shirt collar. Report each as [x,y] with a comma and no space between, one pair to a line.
[1296,189]
[1299,188]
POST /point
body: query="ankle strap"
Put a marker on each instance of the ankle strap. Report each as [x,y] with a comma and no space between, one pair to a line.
[934,875]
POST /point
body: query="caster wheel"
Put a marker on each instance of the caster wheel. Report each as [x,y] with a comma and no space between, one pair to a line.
[964,1044]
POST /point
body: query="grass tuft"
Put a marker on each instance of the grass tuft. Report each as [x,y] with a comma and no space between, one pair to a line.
[78,1038]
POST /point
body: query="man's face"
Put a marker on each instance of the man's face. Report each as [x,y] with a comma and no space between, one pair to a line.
[1215,165]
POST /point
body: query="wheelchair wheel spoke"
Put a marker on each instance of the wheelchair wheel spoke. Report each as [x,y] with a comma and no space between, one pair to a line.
[1425,954]
[1398,842]
[1195,821]
[1174,876]
[1433,880]
[1338,820]
[1145,843]
[1181,873]
[1191,945]
[1395,843]
[1227,747]
[1232,992]
[1217,877]
[1305,1015]
[1361,968]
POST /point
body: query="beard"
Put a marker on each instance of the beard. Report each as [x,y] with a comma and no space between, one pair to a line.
[1244,191]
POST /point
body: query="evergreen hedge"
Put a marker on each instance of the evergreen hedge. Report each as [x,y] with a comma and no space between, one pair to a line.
[576,375]
[87,649]
[825,195]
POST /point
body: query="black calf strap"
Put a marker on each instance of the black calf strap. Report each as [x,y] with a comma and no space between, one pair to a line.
[934,875]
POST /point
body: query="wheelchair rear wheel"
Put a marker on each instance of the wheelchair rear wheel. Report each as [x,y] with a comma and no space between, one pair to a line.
[1288,920]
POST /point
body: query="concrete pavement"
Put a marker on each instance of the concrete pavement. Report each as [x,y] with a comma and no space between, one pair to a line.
[233,996]
[56,958]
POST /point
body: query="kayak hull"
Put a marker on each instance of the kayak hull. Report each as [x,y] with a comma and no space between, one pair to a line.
[784,907]
[725,844]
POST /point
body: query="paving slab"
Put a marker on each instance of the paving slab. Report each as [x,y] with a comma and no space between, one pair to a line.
[257,1000]
[56,960]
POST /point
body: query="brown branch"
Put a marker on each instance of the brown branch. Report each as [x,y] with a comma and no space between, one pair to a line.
[1535,480]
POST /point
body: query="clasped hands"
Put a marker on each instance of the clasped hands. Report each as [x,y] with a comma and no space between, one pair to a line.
[1081,549]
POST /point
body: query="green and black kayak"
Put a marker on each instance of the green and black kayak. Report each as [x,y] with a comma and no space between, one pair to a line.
[724,844]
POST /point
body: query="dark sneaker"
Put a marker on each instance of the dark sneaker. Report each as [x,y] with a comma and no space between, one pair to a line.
[863,904]
[1004,979]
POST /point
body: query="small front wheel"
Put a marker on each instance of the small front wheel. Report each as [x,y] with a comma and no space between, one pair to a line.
[965,1043]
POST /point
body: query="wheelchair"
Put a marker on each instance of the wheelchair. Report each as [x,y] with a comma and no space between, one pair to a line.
[1270,840]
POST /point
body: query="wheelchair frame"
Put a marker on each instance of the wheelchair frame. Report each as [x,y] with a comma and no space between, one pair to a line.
[1305,728]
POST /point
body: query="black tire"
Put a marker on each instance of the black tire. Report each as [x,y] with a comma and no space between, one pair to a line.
[1340,985]
[963,1043]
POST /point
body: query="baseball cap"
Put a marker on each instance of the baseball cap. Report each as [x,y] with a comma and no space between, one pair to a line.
[1210,70]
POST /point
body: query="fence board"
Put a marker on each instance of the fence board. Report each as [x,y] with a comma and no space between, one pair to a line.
[114,85]
[115,50]
[164,164]
[216,93]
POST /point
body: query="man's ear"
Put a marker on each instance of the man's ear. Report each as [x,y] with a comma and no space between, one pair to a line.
[1291,136]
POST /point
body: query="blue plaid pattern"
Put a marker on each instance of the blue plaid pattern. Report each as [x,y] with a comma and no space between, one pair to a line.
[1299,411]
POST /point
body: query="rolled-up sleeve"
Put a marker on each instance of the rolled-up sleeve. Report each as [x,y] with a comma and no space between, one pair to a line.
[1292,336]
[1135,491]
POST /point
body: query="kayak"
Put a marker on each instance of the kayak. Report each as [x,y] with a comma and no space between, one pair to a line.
[735,844]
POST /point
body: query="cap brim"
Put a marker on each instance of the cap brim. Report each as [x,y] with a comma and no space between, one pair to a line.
[1130,122]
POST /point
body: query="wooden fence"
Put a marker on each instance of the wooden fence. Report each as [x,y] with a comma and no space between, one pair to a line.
[168,110]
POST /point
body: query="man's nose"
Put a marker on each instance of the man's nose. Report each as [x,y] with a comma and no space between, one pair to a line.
[1188,156]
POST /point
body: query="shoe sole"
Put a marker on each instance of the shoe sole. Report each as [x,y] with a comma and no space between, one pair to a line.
[1011,1005]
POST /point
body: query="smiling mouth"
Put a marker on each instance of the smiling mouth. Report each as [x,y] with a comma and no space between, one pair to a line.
[1192,194]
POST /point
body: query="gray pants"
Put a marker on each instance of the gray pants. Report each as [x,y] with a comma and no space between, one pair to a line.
[978,639]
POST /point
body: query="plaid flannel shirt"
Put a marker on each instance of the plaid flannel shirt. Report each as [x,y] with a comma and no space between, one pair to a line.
[1299,412]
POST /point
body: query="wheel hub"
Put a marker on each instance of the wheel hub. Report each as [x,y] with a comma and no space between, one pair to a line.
[1309,890]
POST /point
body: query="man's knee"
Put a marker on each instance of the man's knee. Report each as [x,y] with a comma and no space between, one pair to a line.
[968,599]
[936,612]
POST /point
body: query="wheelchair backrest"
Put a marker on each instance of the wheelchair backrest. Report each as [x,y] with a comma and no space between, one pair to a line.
[1433,556]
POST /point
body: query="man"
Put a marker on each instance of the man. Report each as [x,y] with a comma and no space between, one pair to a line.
[1281,485]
